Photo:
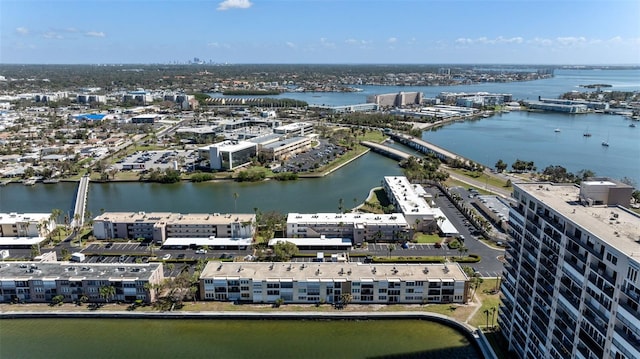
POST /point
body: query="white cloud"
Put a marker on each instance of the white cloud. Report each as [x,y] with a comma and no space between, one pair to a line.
[290,44]
[570,40]
[234,4]
[95,34]
[392,40]
[487,41]
[350,41]
[22,31]
[51,35]
[541,41]
[325,42]
[217,45]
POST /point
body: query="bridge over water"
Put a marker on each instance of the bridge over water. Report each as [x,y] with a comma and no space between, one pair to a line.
[81,202]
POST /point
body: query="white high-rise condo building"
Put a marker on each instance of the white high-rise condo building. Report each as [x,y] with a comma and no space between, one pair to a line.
[571,287]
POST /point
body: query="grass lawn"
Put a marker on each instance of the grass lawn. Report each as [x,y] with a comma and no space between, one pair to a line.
[483,177]
[372,136]
[489,301]
[427,238]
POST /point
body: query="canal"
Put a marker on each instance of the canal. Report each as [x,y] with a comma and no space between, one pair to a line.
[212,338]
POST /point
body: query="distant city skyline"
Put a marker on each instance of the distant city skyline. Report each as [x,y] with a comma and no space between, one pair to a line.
[562,32]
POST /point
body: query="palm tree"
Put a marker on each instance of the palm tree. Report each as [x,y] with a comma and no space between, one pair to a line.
[391,247]
[235,201]
[107,292]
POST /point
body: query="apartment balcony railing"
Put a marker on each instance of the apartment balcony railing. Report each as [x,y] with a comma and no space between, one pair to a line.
[576,252]
[564,348]
[595,318]
[602,273]
[580,267]
[634,340]
[595,346]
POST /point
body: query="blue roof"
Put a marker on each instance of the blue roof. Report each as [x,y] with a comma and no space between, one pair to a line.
[90,116]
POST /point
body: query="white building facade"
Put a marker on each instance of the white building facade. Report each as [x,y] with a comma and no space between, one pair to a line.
[260,282]
[570,285]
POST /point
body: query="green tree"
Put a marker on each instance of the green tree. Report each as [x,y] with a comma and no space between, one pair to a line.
[283,251]
[501,166]
[57,300]
[107,292]
[390,248]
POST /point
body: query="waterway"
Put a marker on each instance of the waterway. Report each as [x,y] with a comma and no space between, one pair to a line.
[563,81]
[323,194]
[532,136]
[510,136]
[142,338]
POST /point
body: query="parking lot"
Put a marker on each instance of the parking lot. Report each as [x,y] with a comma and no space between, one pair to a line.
[316,157]
[144,160]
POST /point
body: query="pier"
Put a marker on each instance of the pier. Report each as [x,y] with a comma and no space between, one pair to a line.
[81,202]
[386,150]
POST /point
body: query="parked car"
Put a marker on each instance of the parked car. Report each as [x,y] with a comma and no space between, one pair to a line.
[166,256]
[201,251]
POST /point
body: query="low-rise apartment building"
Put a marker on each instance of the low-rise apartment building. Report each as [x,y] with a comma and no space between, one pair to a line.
[359,227]
[24,229]
[412,201]
[260,282]
[160,226]
[41,282]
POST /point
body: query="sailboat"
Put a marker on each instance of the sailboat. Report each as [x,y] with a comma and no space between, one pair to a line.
[587,133]
[606,143]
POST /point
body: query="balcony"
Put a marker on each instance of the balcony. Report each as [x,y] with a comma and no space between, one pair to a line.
[595,318]
[590,343]
[634,340]
[575,250]
[575,264]
[602,273]
[564,349]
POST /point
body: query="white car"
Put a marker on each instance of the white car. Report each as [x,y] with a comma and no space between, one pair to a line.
[201,251]
[166,256]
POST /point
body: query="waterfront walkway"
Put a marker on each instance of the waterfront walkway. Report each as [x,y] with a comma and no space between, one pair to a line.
[81,202]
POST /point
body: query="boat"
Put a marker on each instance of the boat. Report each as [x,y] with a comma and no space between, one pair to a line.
[586,134]
[4,183]
[632,125]
[556,130]
[50,181]
[29,182]
[605,143]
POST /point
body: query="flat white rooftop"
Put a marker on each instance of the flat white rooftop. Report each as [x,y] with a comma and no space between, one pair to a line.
[313,242]
[208,241]
[351,271]
[10,218]
[20,241]
[617,226]
[333,218]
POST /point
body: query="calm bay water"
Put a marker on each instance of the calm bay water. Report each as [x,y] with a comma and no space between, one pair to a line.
[563,81]
[141,338]
[531,136]
[523,135]
[305,195]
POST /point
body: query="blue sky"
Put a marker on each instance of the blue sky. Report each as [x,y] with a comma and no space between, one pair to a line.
[320,31]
